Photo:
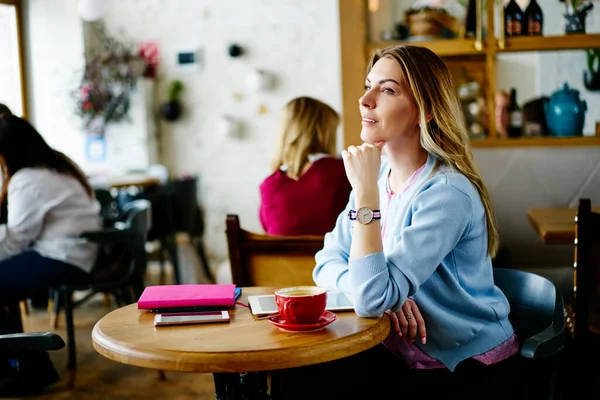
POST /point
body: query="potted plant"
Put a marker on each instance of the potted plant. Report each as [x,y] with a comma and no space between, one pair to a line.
[575,18]
[171,109]
[591,77]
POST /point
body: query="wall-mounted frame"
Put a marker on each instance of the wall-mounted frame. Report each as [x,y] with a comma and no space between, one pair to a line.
[12,67]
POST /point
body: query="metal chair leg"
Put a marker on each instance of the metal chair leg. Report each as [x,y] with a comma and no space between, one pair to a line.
[72,355]
[56,300]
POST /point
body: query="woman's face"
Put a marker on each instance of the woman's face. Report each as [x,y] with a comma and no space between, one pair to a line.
[387,107]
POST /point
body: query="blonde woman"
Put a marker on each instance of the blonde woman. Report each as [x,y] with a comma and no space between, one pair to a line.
[416,241]
[308,187]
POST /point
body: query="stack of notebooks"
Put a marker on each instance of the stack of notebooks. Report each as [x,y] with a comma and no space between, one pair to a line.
[189,298]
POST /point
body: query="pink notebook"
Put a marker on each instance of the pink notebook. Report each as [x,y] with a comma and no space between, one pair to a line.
[164,296]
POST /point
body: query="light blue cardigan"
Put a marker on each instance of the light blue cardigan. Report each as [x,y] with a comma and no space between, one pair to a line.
[435,252]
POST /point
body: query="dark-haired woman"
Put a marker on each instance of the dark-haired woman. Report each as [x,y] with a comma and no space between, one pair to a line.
[49,203]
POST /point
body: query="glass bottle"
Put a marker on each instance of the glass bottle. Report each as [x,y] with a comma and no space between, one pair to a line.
[513,19]
[534,19]
[515,115]
[471,19]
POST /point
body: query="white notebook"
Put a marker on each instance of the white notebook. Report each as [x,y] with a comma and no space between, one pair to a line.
[265,304]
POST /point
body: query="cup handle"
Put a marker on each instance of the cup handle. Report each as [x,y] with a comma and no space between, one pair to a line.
[288,311]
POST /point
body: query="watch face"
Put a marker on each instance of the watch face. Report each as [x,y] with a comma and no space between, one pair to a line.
[364,215]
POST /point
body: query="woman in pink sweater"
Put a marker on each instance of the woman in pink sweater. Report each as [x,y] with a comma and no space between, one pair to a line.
[308,187]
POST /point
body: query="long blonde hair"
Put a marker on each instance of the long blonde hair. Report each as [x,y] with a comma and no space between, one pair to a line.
[442,124]
[308,126]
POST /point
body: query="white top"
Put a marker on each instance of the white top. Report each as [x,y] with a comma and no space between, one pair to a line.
[46,212]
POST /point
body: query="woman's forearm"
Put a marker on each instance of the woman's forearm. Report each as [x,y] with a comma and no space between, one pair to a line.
[366,239]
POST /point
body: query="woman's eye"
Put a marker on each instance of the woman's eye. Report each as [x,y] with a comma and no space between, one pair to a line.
[388,91]
[367,87]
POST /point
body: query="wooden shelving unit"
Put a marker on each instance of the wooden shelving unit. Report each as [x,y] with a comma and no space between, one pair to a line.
[550,43]
[546,141]
[443,48]
[353,28]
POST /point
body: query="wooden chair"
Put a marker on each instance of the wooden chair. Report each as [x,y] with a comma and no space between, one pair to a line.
[586,307]
[583,312]
[263,260]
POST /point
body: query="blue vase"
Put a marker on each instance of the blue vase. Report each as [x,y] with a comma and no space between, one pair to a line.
[565,112]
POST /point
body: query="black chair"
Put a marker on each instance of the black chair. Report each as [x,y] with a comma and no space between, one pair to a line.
[175,210]
[31,367]
[537,315]
[118,270]
[31,342]
[109,207]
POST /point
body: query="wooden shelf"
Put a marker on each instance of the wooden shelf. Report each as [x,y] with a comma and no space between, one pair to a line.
[551,43]
[545,141]
[442,47]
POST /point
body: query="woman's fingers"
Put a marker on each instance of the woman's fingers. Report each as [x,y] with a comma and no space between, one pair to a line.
[394,322]
[417,327]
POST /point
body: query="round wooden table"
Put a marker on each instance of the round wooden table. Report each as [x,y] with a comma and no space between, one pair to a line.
[127,335]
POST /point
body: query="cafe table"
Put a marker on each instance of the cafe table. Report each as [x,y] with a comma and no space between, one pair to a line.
[244,344]
[555,225]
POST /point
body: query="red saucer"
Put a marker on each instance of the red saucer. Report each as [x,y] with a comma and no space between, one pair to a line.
[277,320]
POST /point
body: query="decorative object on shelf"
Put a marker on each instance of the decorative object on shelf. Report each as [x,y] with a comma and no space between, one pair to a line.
[430,23]
[565,112]
[471,19]
[171,109]
[110,76]
[260,80]
[473,106]
[514,18]
[502,101]
[91,10]
[575,18]
[515,116]
[229,126]
[591,77]
[534,19]
[235,51]
[534,119]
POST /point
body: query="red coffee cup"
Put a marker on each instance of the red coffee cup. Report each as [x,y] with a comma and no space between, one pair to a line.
[301,304]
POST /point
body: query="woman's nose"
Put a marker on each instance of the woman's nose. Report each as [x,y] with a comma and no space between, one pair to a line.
[366,101]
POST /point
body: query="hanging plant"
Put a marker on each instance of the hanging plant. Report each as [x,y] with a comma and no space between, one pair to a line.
[171,109]
[110,76]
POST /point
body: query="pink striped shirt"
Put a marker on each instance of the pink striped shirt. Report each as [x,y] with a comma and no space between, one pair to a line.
[415,357]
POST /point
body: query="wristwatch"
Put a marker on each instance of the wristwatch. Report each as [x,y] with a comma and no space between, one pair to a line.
[364,215]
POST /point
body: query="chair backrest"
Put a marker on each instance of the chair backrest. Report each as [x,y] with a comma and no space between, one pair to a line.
[536,306]
[587,271]
[119,260]
[263,260]
[109,206]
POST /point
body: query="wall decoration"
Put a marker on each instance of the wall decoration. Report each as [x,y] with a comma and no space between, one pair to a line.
[229,126]
[91,10]
[171,109]
[260,80]
[235,50]
[110,76]
[262,109]
[149,52]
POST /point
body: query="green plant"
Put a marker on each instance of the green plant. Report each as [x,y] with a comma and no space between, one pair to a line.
[175,89]
[593,60]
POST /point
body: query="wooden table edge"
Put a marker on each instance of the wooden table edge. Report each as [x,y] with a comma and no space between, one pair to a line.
[205,362]
[547,237]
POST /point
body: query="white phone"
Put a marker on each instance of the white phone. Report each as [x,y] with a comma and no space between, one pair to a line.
[265,304]
[191,318]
